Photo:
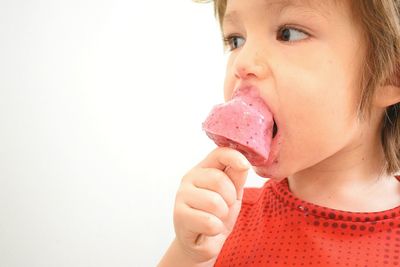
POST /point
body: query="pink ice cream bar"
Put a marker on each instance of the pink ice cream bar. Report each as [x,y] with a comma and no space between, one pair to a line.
[244,123]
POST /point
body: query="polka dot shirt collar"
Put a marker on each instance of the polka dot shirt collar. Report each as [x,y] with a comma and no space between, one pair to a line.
[281,189]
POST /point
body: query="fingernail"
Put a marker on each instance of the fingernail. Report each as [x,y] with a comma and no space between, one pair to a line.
[244,163]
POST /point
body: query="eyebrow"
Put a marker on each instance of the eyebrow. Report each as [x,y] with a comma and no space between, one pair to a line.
[230,18]
[276,6]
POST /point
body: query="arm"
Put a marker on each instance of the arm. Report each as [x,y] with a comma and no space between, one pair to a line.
[175,257]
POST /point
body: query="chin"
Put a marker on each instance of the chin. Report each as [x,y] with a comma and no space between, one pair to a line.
[271,172]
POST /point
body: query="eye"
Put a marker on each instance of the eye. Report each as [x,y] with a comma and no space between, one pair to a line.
[232,42]
[290,34]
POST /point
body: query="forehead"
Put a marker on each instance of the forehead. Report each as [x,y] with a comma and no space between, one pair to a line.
[315,4]
[322,7]
[276,4]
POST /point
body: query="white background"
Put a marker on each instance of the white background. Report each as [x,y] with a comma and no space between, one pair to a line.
[101,105]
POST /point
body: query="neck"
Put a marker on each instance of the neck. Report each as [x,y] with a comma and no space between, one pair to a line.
[350,180]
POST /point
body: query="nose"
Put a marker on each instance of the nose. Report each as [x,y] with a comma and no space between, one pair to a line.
[251,62]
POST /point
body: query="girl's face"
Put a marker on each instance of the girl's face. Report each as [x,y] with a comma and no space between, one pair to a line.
[305,59]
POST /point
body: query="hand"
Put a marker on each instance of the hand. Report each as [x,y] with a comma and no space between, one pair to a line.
[208,202]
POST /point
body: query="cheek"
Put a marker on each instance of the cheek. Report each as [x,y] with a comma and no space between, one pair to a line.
[229,82]
[326,91]
[316,109]
[318,105]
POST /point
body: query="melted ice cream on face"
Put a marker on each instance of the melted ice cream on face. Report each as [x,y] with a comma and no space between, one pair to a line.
[244,123]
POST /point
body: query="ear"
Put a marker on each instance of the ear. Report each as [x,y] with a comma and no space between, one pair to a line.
[387,95]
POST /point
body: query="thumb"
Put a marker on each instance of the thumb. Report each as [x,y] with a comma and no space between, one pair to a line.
[238,178]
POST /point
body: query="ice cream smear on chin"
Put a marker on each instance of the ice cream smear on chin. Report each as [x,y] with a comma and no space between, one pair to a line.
[244,123]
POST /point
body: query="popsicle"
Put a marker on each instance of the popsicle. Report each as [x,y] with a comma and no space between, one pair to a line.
[244,123]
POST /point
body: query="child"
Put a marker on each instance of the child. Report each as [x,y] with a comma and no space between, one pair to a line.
[328,72]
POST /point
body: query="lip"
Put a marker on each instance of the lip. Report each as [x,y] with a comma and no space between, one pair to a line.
[274,130]
[255,92]
[275,145]
[276,140]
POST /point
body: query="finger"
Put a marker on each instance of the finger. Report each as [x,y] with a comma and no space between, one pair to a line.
[217,181]
[232,162]
[208,201]
[239,179]
[199,222]
[222,157]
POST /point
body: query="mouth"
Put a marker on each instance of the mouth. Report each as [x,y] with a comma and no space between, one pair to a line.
[275,130]
[275,145]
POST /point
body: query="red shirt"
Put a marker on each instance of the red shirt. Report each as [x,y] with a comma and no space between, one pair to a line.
[274,228]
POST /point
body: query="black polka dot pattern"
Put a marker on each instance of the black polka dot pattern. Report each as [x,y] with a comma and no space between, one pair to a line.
[275,228]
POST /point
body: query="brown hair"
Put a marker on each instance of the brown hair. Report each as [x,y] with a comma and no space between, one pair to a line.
[380,22]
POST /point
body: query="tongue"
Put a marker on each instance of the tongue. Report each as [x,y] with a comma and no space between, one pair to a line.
[243,123]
